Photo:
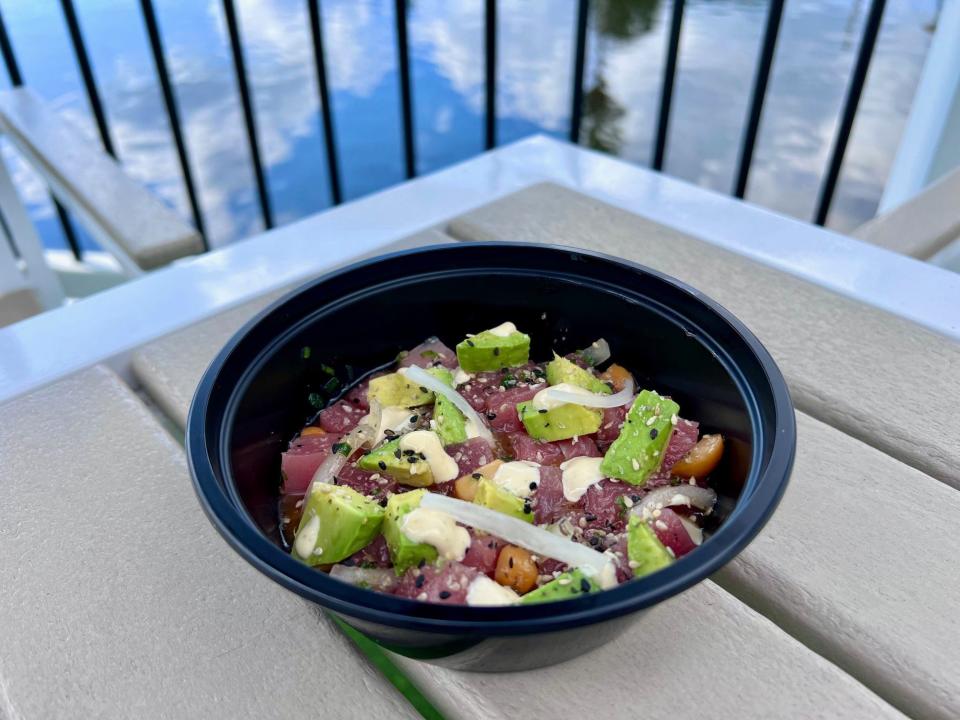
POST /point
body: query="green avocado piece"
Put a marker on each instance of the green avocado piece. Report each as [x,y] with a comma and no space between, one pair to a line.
[561,370]
[638,450]
[450,424]
[644,550]
[486,351]
[496,498]
[559,423]
[337,522]
[565,586]
[404,553]
[391,460]
[395,389]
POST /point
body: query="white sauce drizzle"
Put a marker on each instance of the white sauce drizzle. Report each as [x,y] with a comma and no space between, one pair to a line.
[543,401]
[516,477]
[579,474]
[438,529]
[442,466]
[307,537]
[503,330]
[395,418]
[484,592]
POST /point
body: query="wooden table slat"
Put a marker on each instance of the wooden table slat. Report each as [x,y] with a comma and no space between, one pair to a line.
[119,599]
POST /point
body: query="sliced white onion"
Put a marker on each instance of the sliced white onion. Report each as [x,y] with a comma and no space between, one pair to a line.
[374,578]
[425,379]
[517,532]
[331,465]
[689,495]
[594,400]
[597,352]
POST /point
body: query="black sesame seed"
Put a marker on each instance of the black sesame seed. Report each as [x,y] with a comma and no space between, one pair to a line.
[389,433]
[476,476]
[444,594]
[491,416]
[414,418]
[412,459]
[409,452]
[510,562]
[584,585]
[422,456]
[419,581]
[382,465]
[589,517]
[490,545]
[546,425]
[526,510]
[383,502]
[349,562]
[594,540]
[470,343]
[396,453]
[533,486]
[653,433]
[421,563]
[542,412]
[496,351]
[635,498]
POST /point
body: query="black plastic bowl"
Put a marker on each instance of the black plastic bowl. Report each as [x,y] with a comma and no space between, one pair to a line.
[264,385]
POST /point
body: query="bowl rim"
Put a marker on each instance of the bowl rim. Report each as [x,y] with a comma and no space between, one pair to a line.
[762,491]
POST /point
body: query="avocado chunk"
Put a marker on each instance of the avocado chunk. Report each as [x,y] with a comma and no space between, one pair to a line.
[496,498]
[449,423]
[404,553]
[494,349]
[395,389]
[404,466]
[560,370]
[337,522]
[567,585]
[559,423]
[644,550]
[638,450]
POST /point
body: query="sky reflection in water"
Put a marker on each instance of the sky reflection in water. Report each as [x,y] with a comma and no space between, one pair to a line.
[626,43]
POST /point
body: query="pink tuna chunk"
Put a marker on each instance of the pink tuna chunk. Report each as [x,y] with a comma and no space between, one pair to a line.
[471,454]
[376,485]
[375,554]
[549,504]
[503,407]
[526,448]
[613,419]
[583,446]
[483,552]
[341,417]
[430,353]
[302,459]
[672,533]
[447,585]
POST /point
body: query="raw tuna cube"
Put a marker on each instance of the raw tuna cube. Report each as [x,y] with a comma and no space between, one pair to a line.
[471,454]
[430,353]
[446,585]
[340,417]
[672,533]
[526,448]
[483,386]
[583,446]
[549,504]
[376,485]
[501,407]
[613,419]
[601,507]
[302,459]
[483,552]
[357,396]
[619,550]
[376,554]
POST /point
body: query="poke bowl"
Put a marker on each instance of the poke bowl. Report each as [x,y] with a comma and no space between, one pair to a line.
[601,438]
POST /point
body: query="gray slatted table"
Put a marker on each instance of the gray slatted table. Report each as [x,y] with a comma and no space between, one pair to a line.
[119,599]
[814,570]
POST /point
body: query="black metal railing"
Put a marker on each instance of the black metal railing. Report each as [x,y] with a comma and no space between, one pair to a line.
[751,127]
